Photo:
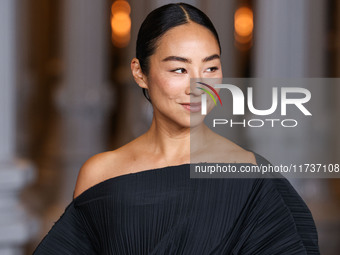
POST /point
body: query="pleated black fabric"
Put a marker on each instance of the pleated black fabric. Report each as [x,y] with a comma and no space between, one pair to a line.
[164,211]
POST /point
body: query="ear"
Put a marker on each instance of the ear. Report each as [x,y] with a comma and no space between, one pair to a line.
[137,73]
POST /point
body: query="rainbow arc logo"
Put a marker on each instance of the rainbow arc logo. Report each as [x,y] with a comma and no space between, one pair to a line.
[209,93]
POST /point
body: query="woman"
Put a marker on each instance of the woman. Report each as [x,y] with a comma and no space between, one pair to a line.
[140,199]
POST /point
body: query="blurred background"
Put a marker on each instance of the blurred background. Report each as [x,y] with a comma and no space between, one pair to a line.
[67,93]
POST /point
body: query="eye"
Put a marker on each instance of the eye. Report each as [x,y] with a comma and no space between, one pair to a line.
[212,69]
[179,70]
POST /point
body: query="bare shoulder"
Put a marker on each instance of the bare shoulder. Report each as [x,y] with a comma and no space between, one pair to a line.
[105,165]
[94,170]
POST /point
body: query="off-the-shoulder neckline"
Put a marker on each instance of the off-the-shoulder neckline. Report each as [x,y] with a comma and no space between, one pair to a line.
[123,176]
[143,172]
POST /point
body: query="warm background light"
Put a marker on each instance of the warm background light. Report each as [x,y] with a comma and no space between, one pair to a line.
[120,6]
[120,23]
[243,25]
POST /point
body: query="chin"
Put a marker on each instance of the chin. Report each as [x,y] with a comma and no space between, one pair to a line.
[196,120]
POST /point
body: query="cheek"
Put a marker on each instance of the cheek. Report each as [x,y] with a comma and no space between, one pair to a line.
[176,87]
[167,86]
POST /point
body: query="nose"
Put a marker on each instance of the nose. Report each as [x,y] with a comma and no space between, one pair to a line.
[195,77]
[192,88]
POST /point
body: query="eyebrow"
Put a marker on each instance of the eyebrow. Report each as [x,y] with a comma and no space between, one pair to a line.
[186,60]
[212,57]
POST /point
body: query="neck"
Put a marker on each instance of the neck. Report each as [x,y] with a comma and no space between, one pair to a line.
[172,142]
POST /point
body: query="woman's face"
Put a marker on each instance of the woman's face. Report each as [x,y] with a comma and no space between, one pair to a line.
[184,52]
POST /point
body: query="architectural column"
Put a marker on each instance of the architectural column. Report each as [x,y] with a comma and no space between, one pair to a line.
[84,97]
[286,42]
[279,52]
[16,226]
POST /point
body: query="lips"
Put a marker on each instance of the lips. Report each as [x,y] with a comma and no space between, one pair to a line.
[192,107]
[193,104]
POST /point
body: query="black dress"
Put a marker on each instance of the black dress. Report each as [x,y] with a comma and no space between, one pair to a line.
[164,211]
